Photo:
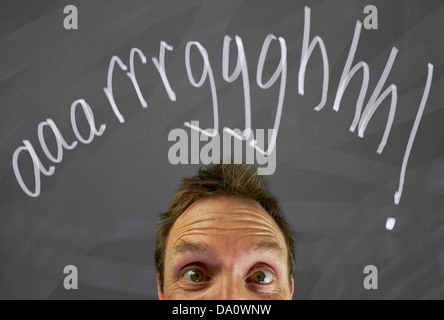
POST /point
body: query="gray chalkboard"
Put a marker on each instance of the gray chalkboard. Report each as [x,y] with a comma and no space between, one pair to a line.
[99,209]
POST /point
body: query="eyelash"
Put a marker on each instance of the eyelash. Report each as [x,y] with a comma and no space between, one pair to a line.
[264,268]
[194,285]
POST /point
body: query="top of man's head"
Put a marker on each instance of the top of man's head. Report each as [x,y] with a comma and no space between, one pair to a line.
[221,181]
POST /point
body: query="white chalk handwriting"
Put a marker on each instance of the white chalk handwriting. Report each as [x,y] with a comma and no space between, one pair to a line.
[363,115]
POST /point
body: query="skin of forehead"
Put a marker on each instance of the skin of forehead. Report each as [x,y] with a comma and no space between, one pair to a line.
[223,218]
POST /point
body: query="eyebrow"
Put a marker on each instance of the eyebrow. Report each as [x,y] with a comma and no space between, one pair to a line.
[183,247]
[269,246]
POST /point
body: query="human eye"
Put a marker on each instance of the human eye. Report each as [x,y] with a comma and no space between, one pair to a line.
[261,276]
[194,276]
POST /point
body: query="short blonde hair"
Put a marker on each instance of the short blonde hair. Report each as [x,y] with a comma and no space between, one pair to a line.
[223,180]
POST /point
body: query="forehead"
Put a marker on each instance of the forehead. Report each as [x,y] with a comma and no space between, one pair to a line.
[233,220]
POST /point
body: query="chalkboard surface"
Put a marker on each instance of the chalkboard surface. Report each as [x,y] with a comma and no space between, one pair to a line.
[98,209]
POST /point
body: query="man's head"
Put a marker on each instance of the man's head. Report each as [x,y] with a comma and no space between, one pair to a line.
[224,237]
